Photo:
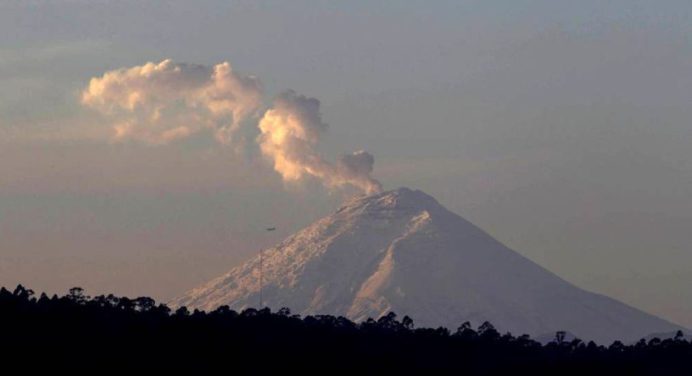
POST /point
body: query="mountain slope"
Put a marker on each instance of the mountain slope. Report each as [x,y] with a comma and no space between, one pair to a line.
[402,251]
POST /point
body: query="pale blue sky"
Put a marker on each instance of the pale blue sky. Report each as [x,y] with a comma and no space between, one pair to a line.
[561,127]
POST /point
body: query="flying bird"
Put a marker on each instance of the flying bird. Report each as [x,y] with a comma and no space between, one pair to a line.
[271,228]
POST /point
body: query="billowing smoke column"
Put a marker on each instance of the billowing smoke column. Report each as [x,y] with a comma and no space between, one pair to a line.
[161,102]
[290,131]
[158,103]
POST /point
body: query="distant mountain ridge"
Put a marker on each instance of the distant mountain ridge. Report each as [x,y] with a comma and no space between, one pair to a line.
[402,251]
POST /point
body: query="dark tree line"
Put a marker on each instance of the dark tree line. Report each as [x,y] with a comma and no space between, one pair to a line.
[117,334]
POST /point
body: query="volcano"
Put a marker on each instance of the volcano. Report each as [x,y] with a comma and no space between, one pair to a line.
[402,251]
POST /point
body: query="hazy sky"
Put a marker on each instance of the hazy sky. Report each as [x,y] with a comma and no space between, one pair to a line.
[563,128]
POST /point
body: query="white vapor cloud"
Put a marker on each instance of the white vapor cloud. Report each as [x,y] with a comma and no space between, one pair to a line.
[290,131]
[161,102]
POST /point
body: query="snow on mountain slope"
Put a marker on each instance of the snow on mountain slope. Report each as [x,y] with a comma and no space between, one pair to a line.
[402,251]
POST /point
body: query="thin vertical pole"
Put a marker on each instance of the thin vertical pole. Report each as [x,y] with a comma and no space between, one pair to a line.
[261,267]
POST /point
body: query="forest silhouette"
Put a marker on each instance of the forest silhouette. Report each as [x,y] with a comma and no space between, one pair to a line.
[107,333]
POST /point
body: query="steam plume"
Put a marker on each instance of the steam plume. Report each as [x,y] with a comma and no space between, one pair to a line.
[158,103]
[161,102]
[290,131]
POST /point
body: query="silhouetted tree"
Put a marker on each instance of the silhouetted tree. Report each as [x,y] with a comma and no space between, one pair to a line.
[487,331]
[407,323]
[679,335]
[76,294]
[118,334]
[23,293]
[144,304]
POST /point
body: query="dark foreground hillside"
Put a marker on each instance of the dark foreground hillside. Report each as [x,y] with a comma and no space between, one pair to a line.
[105,334]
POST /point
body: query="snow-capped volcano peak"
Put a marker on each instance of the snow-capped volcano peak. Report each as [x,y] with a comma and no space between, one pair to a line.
[401,198]
[402,251]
